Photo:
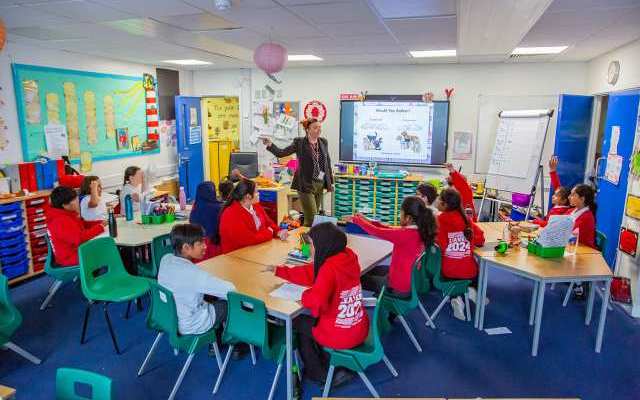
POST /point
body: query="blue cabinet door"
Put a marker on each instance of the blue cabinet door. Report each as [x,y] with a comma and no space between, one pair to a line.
[622,113]
[189,136]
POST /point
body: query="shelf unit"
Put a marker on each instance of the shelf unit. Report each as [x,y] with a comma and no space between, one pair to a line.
[23,248]
[379,198]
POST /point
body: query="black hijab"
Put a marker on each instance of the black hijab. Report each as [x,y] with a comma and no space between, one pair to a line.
[328,240]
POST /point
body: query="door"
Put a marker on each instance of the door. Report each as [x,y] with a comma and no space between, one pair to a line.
[621,117]
[189,135]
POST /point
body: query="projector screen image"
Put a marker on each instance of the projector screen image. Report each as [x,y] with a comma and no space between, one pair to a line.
[399,131]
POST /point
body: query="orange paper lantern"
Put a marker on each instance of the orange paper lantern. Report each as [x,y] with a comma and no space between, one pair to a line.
[3,34]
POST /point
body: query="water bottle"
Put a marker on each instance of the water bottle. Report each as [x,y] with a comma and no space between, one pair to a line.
[128,207]
[113,225]
[182,198]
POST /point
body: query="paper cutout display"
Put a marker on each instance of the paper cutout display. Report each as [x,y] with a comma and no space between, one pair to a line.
[315,109]
[633,207]
[628,241]
[53,108]
[32,101]
[122,138]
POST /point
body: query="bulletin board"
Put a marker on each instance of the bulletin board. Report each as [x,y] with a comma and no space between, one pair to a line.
[223,119]
[104,115]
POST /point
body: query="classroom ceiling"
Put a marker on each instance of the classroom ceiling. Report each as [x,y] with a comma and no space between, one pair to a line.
[342,32]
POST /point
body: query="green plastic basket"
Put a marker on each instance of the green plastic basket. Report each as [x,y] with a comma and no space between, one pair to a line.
[545,252]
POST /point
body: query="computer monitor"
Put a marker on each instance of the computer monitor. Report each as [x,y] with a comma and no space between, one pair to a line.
[246,162]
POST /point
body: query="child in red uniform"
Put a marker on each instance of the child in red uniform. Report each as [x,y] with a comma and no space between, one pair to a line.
[582,198]
[417,232]
[456,238]
[459,182]
[243,221]
[560,198]
[429,194]
[67,231]
[338,319]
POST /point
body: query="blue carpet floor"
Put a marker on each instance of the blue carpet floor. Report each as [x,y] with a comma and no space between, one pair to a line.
[457,361]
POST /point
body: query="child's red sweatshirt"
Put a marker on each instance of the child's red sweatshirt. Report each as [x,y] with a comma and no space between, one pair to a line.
[67,231]
[460,183]
[555,210]
[238,228]
[407,246]
[335,298]
[457,251]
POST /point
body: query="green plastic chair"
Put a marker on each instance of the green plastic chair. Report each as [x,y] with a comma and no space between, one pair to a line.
[403,306]
[10,321]
[247,323]
[105,280]
[60,274]
[362,357]
[163,317]
[448,287]
[601,244]
[160,246]
[68,378]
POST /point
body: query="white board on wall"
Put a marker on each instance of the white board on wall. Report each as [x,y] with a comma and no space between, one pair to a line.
[488,108]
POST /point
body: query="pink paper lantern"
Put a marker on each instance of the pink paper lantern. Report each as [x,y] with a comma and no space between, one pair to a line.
[270,57]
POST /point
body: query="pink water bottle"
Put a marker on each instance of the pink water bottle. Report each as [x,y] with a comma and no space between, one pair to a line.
[182,199]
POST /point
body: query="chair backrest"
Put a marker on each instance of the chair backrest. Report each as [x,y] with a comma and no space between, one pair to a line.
[246,320]
[50,262]
[160,246]
[601,241]
[10,317]
[70,382]
[375,324]
[163,315]
[420,282]
[434,264]
[99,259]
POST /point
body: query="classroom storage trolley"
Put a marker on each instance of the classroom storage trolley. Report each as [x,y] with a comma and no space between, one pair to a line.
[379,198]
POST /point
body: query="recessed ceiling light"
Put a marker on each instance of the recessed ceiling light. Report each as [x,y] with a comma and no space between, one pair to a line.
[432,53]
[222,5]
[539,50]
[187,62]
[303,57]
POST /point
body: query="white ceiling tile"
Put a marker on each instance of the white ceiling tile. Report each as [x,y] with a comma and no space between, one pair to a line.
[428,33]
[311,2]
[78,10]
[352,29]
[578,5]
[240,37]
[151,8]
[45,33]
[208,5]
[349,45]
[275,21]
[197,22]
[335,12]
[18,16]
[414,8]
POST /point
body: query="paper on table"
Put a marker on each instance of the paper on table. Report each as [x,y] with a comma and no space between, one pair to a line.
[289,291]
[557,232]
[498,331]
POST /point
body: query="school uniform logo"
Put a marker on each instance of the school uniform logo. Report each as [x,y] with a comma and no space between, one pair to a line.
[350,310]
[458,245]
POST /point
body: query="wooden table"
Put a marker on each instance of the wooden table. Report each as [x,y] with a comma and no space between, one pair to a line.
[133,233]
[245,268]
[7,393]
[586,265]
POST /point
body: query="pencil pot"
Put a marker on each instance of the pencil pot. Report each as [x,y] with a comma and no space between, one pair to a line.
[146,219]
[169,217]
[157,219]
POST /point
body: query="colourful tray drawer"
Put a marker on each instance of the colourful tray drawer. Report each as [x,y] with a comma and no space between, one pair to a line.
[15,270]
[39,202]
[13,240]
[10,207]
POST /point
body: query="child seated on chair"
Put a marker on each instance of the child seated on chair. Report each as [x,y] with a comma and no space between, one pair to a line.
[190,284]
[560,198]
[67,231]
[429,194]
[338,319]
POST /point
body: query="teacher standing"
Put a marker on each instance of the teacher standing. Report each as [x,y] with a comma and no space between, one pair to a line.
[314,173]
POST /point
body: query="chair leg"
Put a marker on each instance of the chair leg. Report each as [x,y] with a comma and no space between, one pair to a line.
[253,354]
[126,314]
[139,304]
[390,366]
[567,295]
[553,286]
[368,384]
[113,335]
[216,350]
[410,333]
[296,357]
[435,313]
[467,309]
[86,320]
[275,382]
[327,384]
[52,291]
[426,315]
[181,376]
[22,352]
[151,351]
[224,368]
[600,292]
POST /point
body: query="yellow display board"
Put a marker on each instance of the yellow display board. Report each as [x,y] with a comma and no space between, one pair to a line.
[223,119]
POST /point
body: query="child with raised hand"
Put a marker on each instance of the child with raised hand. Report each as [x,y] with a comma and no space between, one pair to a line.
[459,182]
[560,198]
[93,207]
[189,284]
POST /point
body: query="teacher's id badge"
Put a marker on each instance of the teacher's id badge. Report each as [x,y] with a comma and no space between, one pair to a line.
[321,176]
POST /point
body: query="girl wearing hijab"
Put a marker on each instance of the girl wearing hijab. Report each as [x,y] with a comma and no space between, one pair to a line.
[205,212]
[334,298]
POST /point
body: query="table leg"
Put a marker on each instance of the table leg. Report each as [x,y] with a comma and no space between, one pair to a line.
[603,315]
[534,297]
[289,340]
[476,318]
[482,295]
[587,318]
[536,330]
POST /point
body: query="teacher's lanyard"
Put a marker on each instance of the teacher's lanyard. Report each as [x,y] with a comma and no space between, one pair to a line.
[315,150]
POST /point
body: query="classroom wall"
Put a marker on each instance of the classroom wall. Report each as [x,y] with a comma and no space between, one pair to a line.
[629,58]
[163,164]
[469,81]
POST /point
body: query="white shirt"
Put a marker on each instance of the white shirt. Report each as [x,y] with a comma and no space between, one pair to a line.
[98,213]
[256,219]
[189,284]
[130,189]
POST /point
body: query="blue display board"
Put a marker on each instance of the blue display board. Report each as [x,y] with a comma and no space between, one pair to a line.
[104,114]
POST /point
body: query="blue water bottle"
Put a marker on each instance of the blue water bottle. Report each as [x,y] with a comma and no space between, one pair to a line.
[128,207]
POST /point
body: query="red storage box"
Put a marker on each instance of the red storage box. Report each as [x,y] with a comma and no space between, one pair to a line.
[38,250]
[39,242]
[38,226]
[36,210]
[38,218]
[28,179]
[39,259]
[38,267]
[37,202]
[36,235]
